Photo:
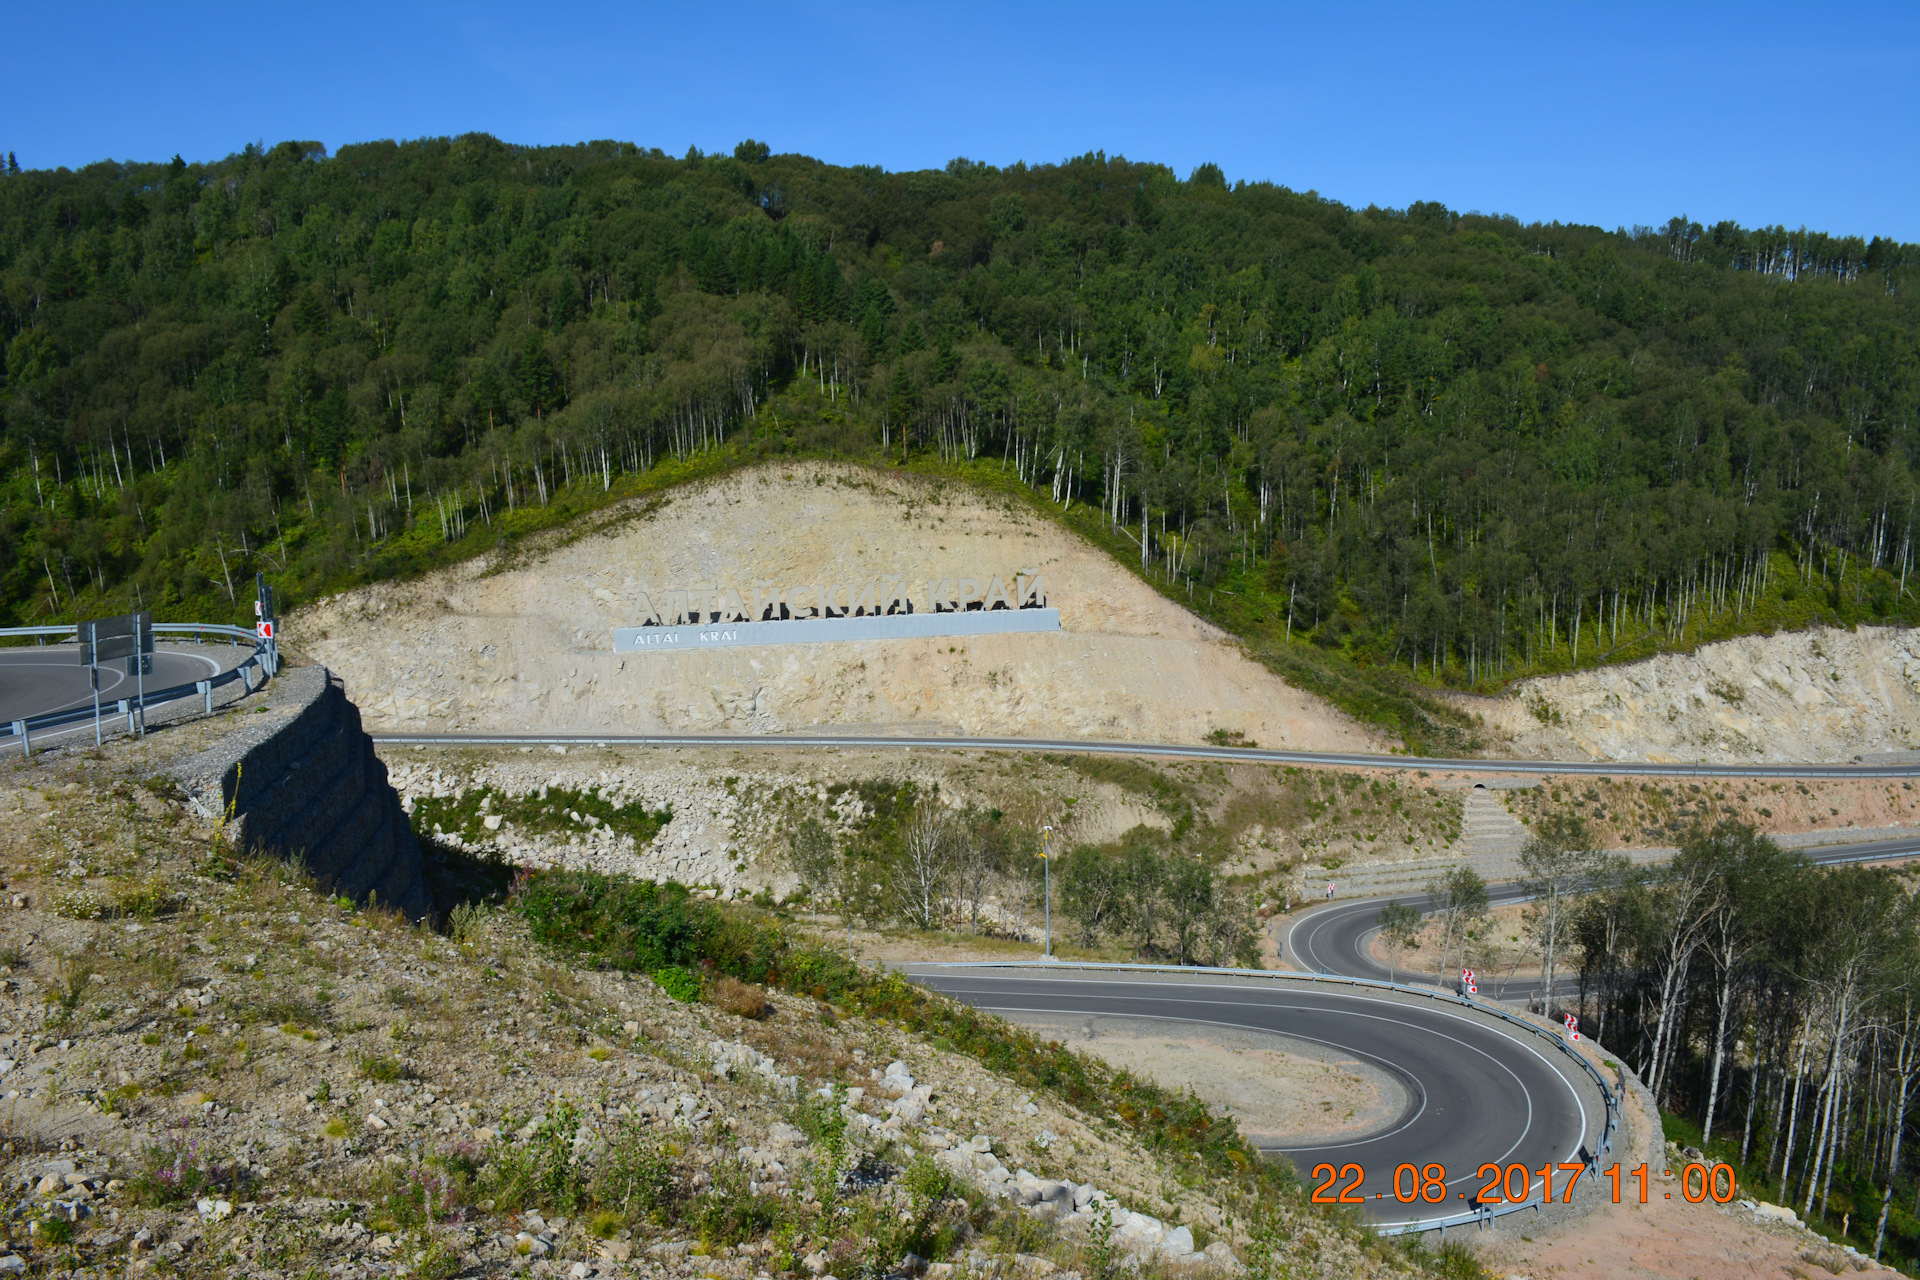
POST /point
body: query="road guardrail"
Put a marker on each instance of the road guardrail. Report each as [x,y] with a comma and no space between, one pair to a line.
[1088,746]
[260,666]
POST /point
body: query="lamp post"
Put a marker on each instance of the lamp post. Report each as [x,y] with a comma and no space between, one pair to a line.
[1046,857]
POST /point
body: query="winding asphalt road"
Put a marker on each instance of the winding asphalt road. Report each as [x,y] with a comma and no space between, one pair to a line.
[1476,1091]
[40,679]
[1337,938]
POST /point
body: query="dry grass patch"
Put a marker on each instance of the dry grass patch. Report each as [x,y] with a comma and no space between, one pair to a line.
[742,999]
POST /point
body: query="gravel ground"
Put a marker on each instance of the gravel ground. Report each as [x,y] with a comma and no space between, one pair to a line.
[211,1070]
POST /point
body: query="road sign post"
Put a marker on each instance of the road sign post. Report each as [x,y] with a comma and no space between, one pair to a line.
[264,627]
[129,636]
[84,634]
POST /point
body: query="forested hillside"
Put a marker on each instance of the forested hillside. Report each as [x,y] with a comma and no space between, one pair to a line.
[1452,446]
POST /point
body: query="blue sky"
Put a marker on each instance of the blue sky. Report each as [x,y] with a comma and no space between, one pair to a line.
[1615,114]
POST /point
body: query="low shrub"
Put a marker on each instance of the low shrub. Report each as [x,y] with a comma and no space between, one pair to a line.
[178,1170]
[730,1210]
[743,999]
[664,931]
[541,1173]
[82,903]
[637,1177]
[382,1070]
[143,900]
[680,983]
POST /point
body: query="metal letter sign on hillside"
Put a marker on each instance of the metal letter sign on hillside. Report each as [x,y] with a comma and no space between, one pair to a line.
[129,636]
[877,609]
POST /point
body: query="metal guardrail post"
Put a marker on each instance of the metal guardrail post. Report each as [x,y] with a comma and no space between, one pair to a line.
[264,658]
[26,743]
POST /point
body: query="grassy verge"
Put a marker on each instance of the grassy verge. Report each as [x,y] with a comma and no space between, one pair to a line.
[544,812]
[635,925]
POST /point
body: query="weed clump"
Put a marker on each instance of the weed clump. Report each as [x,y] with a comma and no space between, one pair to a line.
[178,1170]
[542,812]
[742,999]
[383,1070]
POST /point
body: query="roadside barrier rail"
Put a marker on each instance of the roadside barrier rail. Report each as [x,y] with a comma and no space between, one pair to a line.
[1908,766]
[1609,1127]
[260,666]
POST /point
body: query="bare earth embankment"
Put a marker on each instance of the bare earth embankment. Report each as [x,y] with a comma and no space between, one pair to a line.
[1820,695]
[530,646]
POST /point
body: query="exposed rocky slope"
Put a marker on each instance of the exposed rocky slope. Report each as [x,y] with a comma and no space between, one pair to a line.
[210,1069]
[528,646]
[1821,695]
[733,810]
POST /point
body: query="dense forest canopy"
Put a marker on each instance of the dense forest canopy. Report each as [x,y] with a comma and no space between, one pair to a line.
[1450,445]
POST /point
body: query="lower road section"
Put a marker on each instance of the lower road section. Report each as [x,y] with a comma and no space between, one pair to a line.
[1338,938]
[1477,1091]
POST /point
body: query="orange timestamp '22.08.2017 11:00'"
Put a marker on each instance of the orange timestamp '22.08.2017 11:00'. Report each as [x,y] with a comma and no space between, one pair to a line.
[1514,1183]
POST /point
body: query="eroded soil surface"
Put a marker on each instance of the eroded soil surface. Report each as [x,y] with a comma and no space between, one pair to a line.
[1282,1092]
[1819,695]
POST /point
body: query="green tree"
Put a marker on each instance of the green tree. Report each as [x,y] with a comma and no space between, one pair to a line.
[1092,884]
[1399,928]
[1555,863]
[814,858]
[1459,897]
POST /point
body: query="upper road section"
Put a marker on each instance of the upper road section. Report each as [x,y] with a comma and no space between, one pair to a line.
[37,680]
[1244,755]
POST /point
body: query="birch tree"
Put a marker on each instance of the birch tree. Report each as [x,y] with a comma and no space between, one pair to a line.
[1754,875]
[1902,1032]
[926,865]
[1460,899]
[1685,896]
[1858,911]
[1554,862]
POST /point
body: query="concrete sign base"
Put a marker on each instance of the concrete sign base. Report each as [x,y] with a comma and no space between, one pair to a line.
[899,626]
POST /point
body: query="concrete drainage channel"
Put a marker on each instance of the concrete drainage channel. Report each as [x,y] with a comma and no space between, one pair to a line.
[260,666]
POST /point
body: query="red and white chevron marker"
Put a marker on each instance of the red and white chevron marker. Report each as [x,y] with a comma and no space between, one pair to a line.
[1573,1026]
[1466,980]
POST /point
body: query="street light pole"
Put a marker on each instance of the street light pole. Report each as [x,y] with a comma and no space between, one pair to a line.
[1046,856]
